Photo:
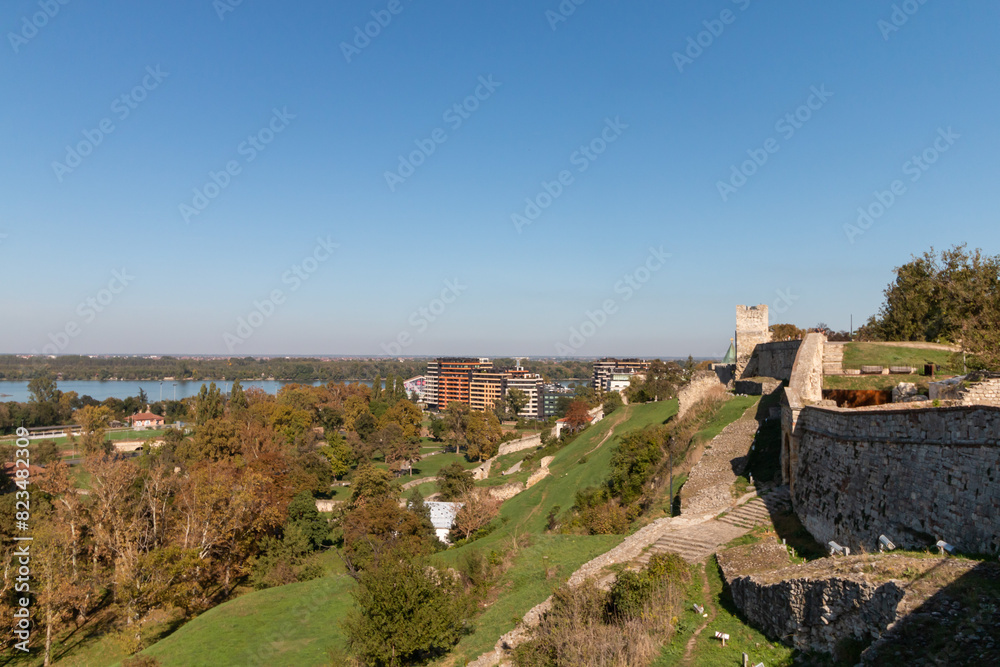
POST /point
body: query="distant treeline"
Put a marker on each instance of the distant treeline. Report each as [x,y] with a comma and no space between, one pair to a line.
[17,368]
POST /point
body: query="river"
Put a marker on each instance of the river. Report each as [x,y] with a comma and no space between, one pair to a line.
[155,390]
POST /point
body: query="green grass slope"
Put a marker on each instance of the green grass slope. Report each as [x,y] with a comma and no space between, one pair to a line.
[299,624]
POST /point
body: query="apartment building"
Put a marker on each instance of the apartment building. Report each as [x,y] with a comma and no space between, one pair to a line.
[449,379]
[605,369]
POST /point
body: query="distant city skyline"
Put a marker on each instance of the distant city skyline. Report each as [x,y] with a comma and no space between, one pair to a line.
[496,179]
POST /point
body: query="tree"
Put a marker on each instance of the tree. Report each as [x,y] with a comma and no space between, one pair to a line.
[376,388]
[479,507]
[483,434]
[44,399]
[455,415]
[238,403]
[302,512]
[786,332]
[208,404]
[632,462]
[93,421]
[405,612]
[517,400]
[341,456]
[370,483]
[612,401]
[438,428]
[578,415]
[407,415]
[954,297]
[365,425]
[214,440]
[454,480]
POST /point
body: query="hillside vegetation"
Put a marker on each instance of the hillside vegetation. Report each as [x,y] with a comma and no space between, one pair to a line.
[541,562]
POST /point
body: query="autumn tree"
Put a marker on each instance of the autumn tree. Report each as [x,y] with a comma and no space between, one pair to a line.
[483,435]
[479,507]
[578,415]
[93,421]
[407,415]
[339,454]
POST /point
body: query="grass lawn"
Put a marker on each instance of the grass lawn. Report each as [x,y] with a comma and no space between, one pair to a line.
[857,355]
[297,624]
[708,651]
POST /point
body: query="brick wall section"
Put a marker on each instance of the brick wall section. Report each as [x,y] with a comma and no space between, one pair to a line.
[915,475]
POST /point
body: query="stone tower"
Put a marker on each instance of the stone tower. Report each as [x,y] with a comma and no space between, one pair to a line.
[751,330]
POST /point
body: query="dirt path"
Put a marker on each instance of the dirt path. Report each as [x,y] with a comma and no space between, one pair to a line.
[707,593]
[611,431]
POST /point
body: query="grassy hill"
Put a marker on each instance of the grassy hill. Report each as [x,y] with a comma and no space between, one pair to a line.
[299,624]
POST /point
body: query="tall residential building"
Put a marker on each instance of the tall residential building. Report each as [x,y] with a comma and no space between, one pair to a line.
[605,369]
[531,384]
[449,379]
[475,382]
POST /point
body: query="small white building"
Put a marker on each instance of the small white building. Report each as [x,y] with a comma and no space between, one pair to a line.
[443,518]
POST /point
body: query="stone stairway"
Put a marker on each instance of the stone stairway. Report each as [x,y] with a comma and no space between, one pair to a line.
[694,543]
[759,510]
[833,358]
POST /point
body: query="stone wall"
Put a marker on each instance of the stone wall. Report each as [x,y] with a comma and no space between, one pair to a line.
[816,614]
[526,442]
[703,384]
[759,387]
[915,475]
[773,360]
[986,392]
[805,387]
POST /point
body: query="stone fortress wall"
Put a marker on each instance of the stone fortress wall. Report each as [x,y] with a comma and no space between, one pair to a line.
[914,474]
[773,360]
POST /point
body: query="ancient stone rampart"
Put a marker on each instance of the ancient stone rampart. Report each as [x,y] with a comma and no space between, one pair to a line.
[914,475]
[703,384]
[805,387]
[773,360]
[817,614]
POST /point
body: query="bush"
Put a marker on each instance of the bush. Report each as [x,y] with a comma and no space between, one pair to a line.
[405,612]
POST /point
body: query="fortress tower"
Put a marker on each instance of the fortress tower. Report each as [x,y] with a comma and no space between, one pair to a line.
[751,330]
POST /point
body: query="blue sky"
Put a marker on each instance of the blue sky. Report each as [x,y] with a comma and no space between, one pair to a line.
[672,130]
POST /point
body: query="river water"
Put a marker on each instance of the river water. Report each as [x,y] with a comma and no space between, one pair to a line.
[155,390]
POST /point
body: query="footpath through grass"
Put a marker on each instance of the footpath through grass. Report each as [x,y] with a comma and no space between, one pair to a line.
[708,651]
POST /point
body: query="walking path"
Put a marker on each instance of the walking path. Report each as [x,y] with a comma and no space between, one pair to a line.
[708,488]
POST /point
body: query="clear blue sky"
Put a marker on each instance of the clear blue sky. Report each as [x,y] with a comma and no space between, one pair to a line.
[191,277]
